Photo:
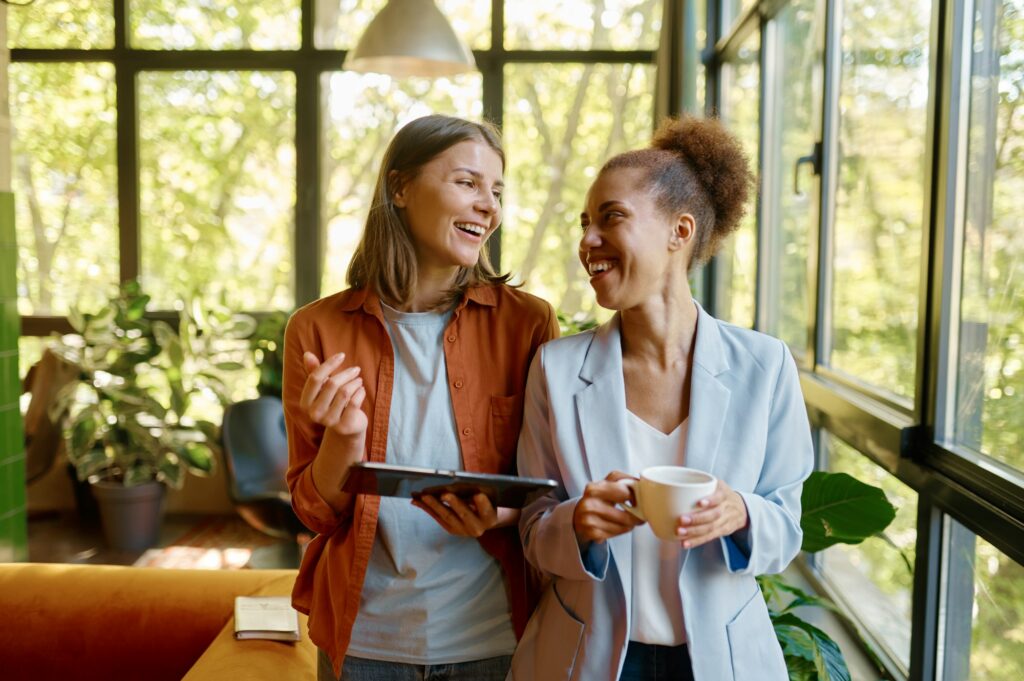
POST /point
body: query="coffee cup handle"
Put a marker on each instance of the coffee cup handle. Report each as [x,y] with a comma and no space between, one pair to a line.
[634,508]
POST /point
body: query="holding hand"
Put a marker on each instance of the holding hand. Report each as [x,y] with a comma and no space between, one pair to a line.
[332,396]
[598,516]
[718,515]
[465,519]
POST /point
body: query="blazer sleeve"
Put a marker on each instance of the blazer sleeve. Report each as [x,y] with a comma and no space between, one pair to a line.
[304,437]
[773,536]
[545,526]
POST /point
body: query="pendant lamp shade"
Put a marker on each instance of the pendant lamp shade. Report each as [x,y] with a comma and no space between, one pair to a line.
[410,38]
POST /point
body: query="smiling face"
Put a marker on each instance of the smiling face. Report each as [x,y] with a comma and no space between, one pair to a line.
[629,247]
[452,206]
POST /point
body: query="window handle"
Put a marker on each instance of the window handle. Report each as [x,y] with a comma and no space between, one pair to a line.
[814,159]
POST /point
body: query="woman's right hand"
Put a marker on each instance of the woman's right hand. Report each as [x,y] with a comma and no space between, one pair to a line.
[598,515]
[333,396]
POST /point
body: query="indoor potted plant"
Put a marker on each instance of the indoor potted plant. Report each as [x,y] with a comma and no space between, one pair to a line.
[130,430]
[836,508]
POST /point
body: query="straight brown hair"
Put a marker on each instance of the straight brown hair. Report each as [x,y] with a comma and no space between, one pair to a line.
[385,259]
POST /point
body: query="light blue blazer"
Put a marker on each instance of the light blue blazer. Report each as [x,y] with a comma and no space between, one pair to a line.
[748,426]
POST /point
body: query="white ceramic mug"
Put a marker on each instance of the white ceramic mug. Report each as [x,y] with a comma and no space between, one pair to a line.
[663,493]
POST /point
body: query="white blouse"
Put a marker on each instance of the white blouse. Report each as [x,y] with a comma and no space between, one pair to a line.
[657,617]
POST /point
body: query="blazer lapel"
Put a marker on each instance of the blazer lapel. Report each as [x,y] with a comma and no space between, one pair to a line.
[709,397]
[601,405]
[601,413]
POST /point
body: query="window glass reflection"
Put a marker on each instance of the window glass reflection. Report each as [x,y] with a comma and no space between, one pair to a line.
[60,24]
[876,576]
[582,25]
[791,211]
[217,187]
[562,122]
[990,374]
[879,203]
[983,609]
[736,263]
[215,25]
[64,177]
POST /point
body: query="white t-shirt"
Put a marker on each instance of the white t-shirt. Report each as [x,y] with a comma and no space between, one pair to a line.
[428,597]
[657,616]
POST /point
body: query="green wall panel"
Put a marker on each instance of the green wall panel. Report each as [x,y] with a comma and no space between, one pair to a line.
[13,535]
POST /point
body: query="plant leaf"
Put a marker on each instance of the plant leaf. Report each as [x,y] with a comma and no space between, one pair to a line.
[83,431]
[171,471]
[838,508]
[92,462]
[197,456]
[138,475]
[795,642]
[828,659]
[800,669]
[169,342]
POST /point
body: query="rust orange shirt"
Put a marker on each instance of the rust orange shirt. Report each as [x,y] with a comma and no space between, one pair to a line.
[488,345]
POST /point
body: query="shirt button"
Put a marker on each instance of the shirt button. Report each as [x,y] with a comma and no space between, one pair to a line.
[466,431]
[451,338]
[458,384]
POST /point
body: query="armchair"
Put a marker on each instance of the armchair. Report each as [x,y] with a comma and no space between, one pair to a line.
[256,459]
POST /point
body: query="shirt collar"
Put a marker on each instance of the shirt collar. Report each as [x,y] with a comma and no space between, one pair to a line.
[370,302]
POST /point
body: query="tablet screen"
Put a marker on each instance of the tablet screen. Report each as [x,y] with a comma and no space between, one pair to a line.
[410,482]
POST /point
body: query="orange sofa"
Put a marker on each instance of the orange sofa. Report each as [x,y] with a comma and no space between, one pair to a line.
[108,623]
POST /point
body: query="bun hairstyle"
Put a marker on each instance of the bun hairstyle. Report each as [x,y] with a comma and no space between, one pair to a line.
[696,166]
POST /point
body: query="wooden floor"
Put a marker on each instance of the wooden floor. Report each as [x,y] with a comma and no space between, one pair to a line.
[65,538]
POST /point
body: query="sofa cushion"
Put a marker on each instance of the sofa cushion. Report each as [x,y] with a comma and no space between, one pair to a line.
[87,622]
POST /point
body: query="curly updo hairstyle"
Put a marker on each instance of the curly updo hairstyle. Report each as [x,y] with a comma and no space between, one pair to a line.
[696,166]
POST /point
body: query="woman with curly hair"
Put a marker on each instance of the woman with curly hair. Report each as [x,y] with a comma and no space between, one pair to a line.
[662,383]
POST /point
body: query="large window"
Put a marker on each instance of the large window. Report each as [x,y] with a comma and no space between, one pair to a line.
[875,578]
[736,264]
[990,374]
[211,153]
[790,208]
[883,100]
[217,186]
[65,178]
[888,248]
[983,610]
[555,122]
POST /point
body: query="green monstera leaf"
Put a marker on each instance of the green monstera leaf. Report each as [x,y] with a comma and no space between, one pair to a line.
[839,509]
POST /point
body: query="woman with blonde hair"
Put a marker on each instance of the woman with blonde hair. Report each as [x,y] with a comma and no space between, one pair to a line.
[422,362]
[662,383]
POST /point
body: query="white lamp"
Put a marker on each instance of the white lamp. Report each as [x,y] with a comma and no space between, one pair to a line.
[410,38]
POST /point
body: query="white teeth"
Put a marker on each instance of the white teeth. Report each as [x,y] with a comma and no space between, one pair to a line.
[470,227]
[598,267]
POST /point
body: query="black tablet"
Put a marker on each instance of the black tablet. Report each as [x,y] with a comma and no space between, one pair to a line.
[406,481]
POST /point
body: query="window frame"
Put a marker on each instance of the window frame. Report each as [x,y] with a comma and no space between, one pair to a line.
[907,440]
[307,62]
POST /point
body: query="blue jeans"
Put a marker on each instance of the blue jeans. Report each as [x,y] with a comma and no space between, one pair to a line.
[645,662]
[360,669]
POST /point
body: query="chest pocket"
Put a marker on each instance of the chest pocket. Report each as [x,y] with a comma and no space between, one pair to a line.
[506,419]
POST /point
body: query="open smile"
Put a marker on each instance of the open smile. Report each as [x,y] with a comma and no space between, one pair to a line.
[471,228]
[599,268]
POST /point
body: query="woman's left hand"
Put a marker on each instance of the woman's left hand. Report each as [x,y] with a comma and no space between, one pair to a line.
[466,518]
[717,515]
